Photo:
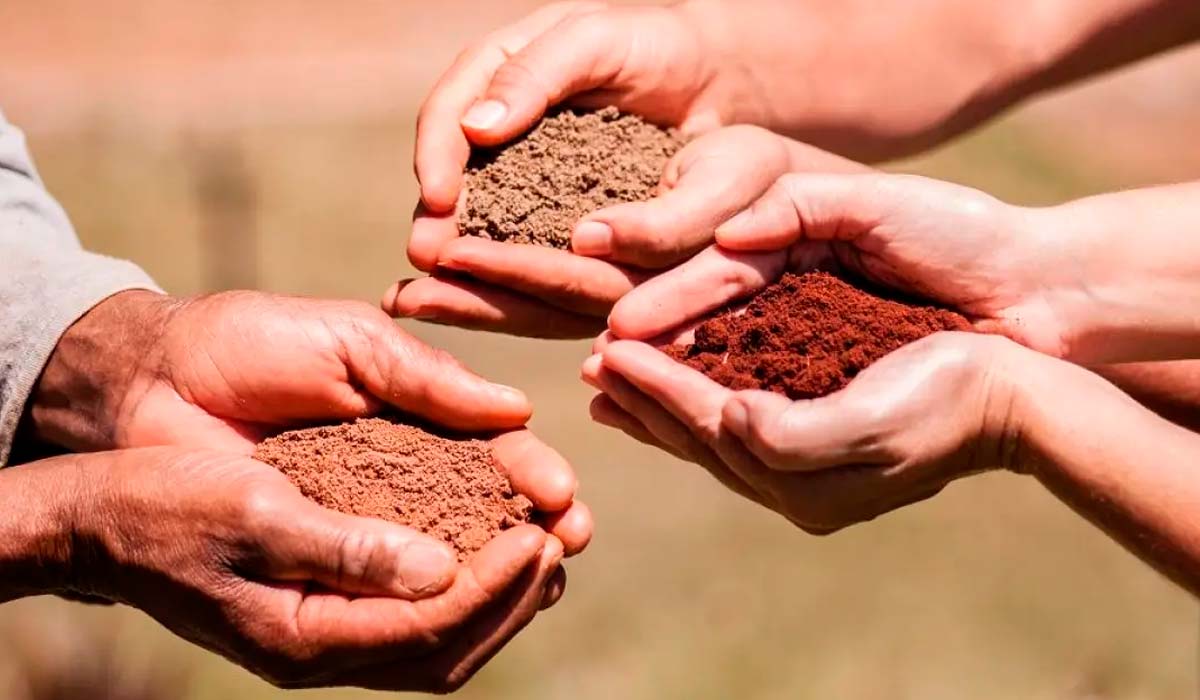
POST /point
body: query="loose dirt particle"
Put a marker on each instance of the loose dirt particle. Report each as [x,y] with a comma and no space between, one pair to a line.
[448,488]
[534,190]
[808,335]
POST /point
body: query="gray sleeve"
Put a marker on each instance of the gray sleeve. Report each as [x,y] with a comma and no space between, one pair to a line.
[47,280]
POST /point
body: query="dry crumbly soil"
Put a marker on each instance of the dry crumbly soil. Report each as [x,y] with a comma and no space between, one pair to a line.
[808,335]
[449,488]
[535,189]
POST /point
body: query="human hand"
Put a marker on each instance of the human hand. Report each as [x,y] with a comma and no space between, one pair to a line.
[239,562]
[225,371]
[544,292]
[932,412]
[947,243]
[702,64]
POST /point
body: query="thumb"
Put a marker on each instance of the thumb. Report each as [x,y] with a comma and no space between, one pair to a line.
[581,53]
[715,180]
[795,435]
[361,556]
[816,207]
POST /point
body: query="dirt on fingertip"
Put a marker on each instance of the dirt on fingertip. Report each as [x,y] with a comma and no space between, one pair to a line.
[535,189]
[809,335]
[449,488]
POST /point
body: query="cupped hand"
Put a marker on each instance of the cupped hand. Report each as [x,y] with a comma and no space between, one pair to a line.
[950,244]
[224,371]
[241,563]
[543,292]
[928,414]
[651,61]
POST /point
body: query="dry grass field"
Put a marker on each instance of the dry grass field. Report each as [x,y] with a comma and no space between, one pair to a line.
[269,144]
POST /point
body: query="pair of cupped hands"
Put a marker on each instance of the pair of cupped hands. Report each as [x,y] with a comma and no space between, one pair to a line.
[226,553]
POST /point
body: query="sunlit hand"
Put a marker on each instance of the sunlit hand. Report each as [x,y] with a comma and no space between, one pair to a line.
[929,413]
[951,244]
[226,553]
[224,371]
[542,292]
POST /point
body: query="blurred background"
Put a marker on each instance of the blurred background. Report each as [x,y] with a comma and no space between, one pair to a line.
[268,144]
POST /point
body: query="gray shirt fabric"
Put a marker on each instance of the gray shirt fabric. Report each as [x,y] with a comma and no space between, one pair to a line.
[47,280]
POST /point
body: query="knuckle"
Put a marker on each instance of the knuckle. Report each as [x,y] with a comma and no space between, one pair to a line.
[357,555]
[259,509]
[517,77]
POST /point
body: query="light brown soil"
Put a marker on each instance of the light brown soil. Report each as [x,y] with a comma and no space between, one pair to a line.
[534,190]
[448,488]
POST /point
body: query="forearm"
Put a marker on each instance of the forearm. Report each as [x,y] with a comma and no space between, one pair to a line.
[1072,39]
[37,547]
[1122,274]
[1170,389]
[874,81]
[1125,469]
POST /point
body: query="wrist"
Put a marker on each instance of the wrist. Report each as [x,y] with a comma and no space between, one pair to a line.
[40,550]
[94,370]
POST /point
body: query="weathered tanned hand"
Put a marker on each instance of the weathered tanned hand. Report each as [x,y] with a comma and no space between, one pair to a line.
[223,371]
[225,552]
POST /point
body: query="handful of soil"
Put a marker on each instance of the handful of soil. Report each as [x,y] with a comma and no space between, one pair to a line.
[448,488]
[808,335]
[534,190]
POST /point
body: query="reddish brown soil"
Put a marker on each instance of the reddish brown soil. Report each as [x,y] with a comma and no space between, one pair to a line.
[534,190]
[808,335]
[448,488]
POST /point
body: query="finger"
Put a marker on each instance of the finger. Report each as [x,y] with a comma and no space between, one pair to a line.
[430,234]
[450,668]
[607,412]
[555,589]
[536,470]
[680,439]
[706,282]
[363,556]
[573,527]
[479,306]
[812,206]
[442,148]
[428,382]
[717,177]
[570,282]
[803,435]
[332,623]
[582,51]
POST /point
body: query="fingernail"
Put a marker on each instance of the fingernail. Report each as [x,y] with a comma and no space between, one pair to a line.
[426,566]
[388,303]
[735,417]
[510,393]
[590,371]
[592,238]
[485,115]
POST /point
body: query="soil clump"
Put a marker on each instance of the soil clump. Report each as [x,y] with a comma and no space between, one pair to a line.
[449,488]
[535,189]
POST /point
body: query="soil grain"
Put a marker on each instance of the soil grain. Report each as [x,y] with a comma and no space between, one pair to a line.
[448,488]
[534,190]
[808,335]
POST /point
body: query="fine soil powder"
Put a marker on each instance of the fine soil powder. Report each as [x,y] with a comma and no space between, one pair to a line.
[448,488]
[807,336]
[534,190]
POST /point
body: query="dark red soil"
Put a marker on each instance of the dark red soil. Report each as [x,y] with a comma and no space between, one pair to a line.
[808,335]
